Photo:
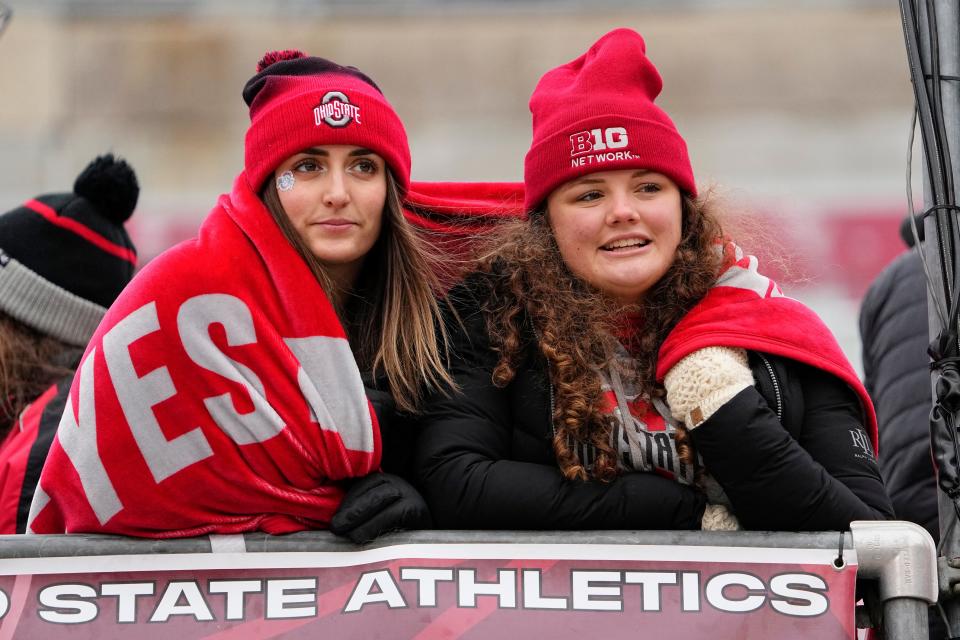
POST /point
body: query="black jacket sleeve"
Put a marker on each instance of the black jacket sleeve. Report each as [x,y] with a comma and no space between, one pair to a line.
[893,328]
[470,481]
[819,479]
[46,429]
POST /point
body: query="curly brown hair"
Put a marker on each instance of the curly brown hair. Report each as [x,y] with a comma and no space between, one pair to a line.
[577,327]
[30,362]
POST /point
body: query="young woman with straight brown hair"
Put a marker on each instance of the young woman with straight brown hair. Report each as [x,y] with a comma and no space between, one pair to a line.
[245,379]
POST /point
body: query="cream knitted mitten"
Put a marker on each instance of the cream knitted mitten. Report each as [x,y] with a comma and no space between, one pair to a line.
[717,517]
[704,381]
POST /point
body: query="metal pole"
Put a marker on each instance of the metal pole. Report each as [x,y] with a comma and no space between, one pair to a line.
[901,557]
[948,48]
[904,619]
[54,546]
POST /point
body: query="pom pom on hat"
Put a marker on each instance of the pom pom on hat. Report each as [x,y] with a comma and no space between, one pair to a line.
[272,57]
[64,257]
[111,186]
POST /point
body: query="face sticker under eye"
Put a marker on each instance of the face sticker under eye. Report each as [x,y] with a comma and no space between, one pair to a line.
[285,181]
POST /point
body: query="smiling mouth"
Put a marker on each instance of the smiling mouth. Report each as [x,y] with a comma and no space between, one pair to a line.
[627,243]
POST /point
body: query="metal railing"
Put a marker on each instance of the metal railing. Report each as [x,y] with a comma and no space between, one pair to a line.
[899,558]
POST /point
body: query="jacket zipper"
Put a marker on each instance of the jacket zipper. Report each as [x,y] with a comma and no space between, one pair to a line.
[776,385]
[553,427]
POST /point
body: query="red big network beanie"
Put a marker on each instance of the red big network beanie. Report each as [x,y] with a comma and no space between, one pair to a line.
[596,113]
[298,101]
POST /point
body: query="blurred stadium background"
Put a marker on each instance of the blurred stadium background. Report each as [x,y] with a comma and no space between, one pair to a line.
[798,113]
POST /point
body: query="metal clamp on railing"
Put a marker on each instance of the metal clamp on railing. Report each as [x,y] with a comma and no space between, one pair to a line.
[902,557]
[949,575]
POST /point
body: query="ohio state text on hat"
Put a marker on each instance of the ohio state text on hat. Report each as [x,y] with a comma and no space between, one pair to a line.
[298,102]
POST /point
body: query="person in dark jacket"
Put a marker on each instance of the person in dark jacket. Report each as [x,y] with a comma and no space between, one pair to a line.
[64,258]
[619,364]
[893,329]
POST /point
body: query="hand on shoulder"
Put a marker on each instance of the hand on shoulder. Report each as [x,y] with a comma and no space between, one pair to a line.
[704,381]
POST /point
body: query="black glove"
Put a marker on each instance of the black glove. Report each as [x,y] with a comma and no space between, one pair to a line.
[377,504]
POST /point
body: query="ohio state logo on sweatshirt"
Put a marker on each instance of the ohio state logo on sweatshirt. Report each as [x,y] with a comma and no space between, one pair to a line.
[599,145]
[335,110]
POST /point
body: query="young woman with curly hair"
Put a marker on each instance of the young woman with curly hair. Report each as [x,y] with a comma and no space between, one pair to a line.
[621,364]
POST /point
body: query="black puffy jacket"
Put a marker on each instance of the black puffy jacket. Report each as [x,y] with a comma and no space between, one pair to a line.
[893,327]
[485,457]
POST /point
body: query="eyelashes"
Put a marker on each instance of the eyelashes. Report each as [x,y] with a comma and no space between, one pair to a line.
[365,166]
[595,194]
[306,165]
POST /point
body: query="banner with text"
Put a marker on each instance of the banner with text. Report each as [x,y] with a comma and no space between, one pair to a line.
[427,591]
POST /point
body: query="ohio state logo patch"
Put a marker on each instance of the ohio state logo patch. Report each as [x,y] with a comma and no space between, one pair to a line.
[335,110]
[594,146]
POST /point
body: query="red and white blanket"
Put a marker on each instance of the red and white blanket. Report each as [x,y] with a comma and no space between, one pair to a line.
[748,310]
[219,395]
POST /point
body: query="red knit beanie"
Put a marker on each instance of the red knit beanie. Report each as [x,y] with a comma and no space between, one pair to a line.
[298,101]
[596,113]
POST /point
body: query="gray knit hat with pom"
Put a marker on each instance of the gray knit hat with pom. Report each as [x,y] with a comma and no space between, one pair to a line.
[64,257]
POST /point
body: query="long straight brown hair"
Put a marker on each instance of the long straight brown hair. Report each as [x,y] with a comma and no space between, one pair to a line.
[391,317]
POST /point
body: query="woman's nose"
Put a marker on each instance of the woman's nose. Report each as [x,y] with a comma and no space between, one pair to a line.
[336,194]
[622,209]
